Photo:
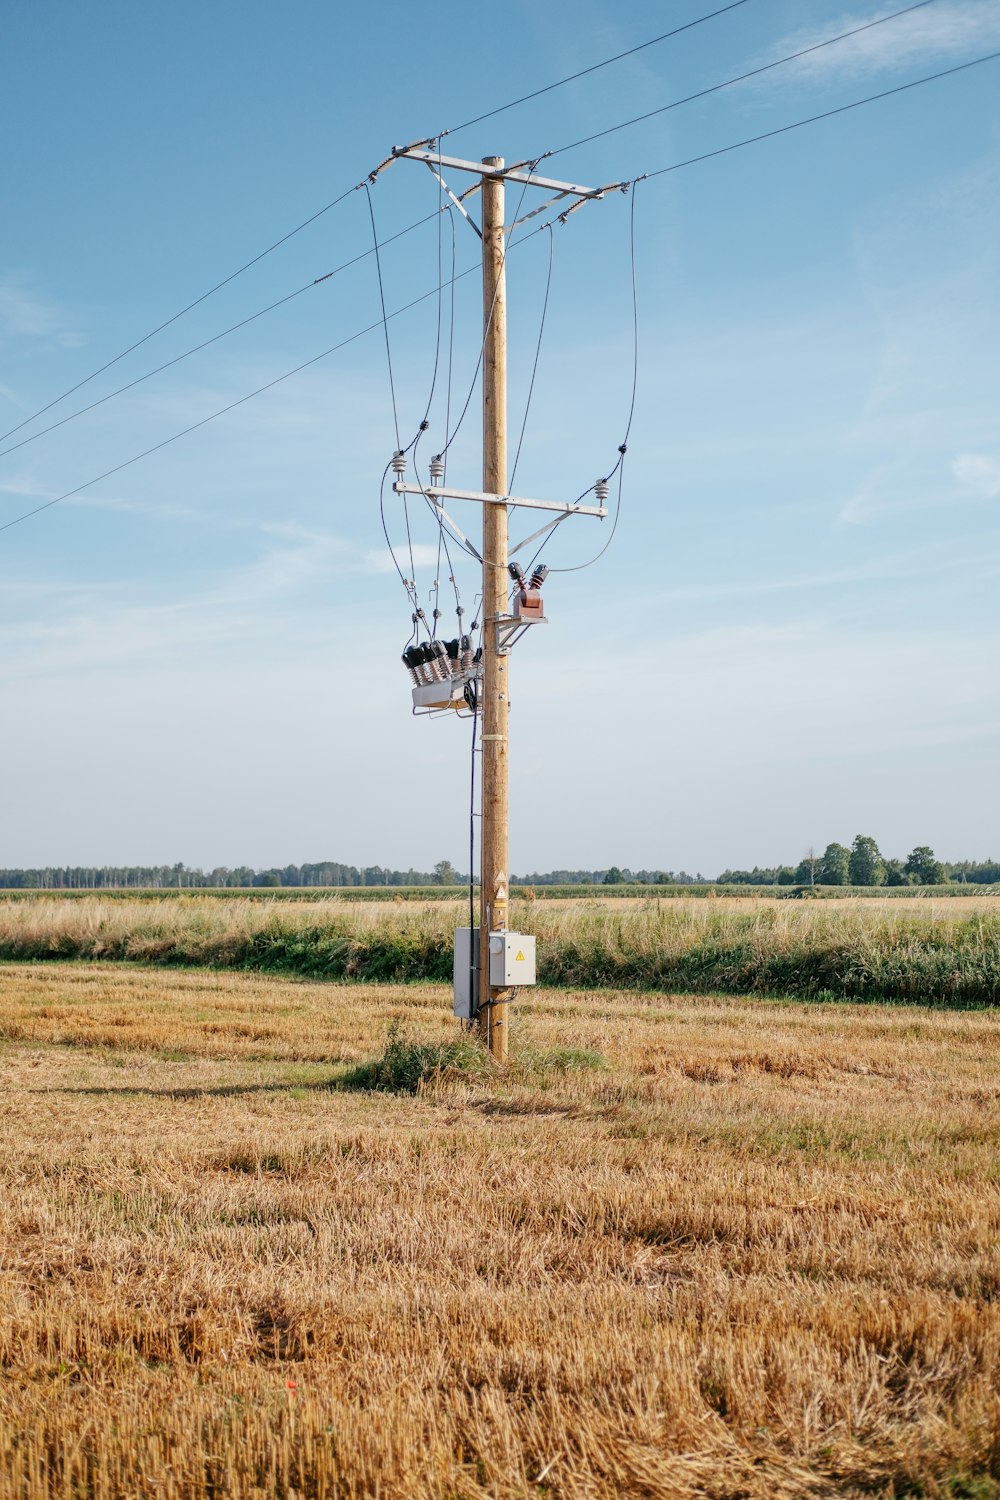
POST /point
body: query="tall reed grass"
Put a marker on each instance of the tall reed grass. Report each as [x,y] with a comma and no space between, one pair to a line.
[849,951]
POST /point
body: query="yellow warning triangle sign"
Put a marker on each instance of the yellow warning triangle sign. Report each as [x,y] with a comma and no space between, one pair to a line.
[520,957]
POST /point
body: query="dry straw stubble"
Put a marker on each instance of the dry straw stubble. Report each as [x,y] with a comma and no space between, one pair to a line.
[754,1254]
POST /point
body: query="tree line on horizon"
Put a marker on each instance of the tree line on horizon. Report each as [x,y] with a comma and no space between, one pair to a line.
[861,865]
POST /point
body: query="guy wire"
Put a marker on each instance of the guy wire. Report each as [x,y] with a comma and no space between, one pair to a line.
[489,318]
[385,325]
[437,336]
[534,368]
[619,467]
[381,505]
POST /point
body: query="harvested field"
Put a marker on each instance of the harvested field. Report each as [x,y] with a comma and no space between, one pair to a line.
[921,951]
[685,1247]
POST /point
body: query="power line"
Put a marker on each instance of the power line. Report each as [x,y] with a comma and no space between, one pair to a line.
[269,385]
[739,78]
[722,150]
[827,114]
[283,239]
[662,171]
[173,319]
[594,68]
[559,83]
[534,367]
[224,409]
[196,349]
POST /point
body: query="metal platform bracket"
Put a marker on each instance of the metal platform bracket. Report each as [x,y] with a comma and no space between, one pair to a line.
[510,629]
[510,174]
[436,494]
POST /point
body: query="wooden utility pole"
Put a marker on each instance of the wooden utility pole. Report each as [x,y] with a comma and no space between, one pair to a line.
[494,873]
[500,628]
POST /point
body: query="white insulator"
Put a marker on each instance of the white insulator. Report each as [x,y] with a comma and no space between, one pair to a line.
[399,463]
[601,489]
[437,469]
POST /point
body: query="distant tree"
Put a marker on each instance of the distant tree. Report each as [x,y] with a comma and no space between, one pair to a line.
[835,865]
[978,872]
[269,878]
[923,868]
[445,873]
[866,865]
[895,874]
[614,876]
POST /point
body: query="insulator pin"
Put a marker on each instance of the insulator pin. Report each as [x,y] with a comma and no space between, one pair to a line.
[438,664]
[437,469]
[399,463]
[601,490]
[411,661]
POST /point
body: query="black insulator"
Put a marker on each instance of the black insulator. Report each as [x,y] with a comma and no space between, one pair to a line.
[452,648]
[516,572]
[478,656]
[412,657]
[426,654]
[539,576]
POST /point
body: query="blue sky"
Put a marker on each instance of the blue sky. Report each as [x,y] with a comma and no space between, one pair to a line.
[793,636]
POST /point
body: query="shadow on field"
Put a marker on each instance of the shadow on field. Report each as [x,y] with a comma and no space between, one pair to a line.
[405,1066]
[220,1091]
[529,1106]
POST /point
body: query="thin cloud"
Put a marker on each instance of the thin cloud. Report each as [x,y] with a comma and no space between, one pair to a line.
[24,315]
[9,394]
[28,488]
[978,473]
[939,33]
[132,507]
[381,560]
[891,490]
